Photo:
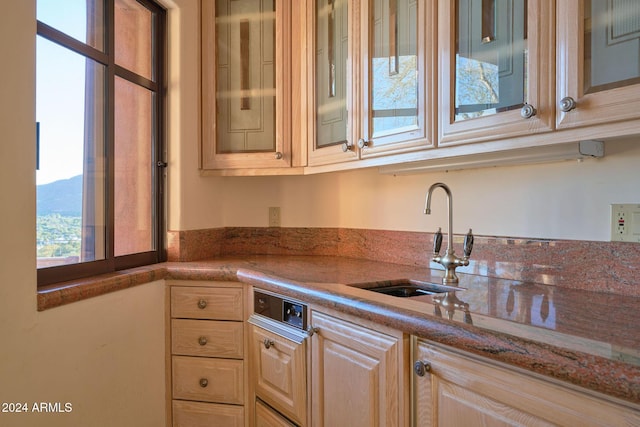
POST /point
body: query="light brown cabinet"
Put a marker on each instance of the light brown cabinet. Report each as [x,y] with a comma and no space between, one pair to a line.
[278,369]
[598,63]
[496,69]
[371,89]
[207,340]
[249,111]
[267,417]
[461,389]
[357,373]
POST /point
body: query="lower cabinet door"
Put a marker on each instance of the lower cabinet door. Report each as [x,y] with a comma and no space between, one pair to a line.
[278,372]
[198,414]
[208,380]
[355,375]
[267,417]
[464,390]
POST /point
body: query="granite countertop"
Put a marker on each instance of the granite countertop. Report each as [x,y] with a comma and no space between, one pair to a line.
[583,338]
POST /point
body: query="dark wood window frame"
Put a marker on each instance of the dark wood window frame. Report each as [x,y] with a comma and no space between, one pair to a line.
[157,85]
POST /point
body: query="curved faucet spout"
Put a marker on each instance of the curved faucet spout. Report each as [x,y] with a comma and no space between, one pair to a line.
[449,261]
[427,211]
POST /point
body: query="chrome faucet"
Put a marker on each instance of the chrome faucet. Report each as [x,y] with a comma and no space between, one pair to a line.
[449,261]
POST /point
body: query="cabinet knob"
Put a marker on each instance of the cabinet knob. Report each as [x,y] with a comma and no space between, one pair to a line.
[347,146]
[202,304]
[362,143]
[204,382]
[421,368]
[268,343]
[527,111]
[567,104]
[202,340]
[278,155]
[312,330]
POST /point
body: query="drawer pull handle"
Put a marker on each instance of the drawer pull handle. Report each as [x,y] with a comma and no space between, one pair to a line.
[268,343]
[202,340]
[202,304]
[204,382]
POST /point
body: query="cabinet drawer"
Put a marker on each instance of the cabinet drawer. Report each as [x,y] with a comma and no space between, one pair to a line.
[208,380]
[208,338]
[198,414]
[207,303]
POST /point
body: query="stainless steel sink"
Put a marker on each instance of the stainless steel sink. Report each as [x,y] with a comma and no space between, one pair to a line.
[405,288]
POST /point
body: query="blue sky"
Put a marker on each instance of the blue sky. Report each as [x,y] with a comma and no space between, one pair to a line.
[60,76]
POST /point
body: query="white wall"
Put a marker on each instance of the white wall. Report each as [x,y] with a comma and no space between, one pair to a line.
[561,200]
[105,355]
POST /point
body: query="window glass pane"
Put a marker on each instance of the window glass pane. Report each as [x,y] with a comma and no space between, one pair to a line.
[491,57]
[332,47]
[394,67]
[70,176]
[81,19]
[133,204]
[612,44]
[133,37]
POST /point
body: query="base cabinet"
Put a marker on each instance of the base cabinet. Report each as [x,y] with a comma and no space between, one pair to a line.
[207,340]
[464,390]
[278,370]
[356,374]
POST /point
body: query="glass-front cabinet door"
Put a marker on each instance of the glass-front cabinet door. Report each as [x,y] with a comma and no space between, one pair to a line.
[496,63]
[598,76]
[331,114]
[398,76]
[246,84]
[372,76]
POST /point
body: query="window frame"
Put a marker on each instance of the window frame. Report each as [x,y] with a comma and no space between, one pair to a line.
[110,263]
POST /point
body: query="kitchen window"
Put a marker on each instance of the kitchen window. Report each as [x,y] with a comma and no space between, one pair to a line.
[99,113]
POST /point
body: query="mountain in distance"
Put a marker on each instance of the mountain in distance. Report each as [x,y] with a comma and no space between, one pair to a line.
[63,197]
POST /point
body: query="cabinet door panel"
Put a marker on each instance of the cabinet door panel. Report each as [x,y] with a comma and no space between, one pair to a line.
[332,26]
[246,85]
[462,389]
[355,375]
[397,76]
[496,56]
[598,61]
[278,372]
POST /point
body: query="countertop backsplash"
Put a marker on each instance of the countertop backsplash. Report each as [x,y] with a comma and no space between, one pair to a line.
[609,267]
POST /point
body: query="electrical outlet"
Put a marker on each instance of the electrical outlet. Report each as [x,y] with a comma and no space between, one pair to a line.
[625,222]
[274,216]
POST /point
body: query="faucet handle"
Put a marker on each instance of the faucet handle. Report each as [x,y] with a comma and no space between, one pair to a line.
[468,244]
[437,241]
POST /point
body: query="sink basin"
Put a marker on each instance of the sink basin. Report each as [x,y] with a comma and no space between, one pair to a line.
[405,288]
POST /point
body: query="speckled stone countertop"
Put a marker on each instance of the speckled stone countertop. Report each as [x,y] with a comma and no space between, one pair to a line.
[588,339]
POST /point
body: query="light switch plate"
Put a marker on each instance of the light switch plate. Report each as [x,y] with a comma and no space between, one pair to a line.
[625,222]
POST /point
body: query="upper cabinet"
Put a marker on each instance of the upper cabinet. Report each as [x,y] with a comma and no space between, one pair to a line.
[496,69]
[247,81]
[306,86]
[598,62]
[372,85]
